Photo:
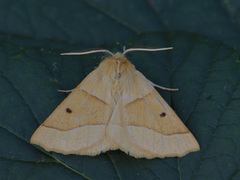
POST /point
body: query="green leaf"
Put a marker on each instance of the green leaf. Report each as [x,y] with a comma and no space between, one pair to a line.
[95,23]
[206,72]
[216,19]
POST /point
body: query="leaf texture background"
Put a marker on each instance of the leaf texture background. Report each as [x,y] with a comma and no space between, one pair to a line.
[204,65]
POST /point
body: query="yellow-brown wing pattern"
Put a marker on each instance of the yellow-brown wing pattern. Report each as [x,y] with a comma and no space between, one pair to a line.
[78,124]
[148,127]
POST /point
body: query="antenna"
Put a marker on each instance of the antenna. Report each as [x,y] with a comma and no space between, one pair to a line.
[88,52]
[125,51]
[146,49]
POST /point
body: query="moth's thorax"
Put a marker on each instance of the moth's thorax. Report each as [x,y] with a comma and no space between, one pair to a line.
[116,67]
[117,72]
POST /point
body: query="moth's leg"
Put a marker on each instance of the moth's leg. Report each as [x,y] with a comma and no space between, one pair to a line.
[65,91]
[164,88]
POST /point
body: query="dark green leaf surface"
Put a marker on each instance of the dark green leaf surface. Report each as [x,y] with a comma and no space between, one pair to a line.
[95,23]
[207,72]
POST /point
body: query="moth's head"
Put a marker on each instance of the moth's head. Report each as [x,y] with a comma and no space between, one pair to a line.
[117,58]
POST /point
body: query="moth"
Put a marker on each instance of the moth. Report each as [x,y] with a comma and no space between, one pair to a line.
[115,107]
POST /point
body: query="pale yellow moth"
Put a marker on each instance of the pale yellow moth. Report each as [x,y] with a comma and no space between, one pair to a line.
[115,107]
